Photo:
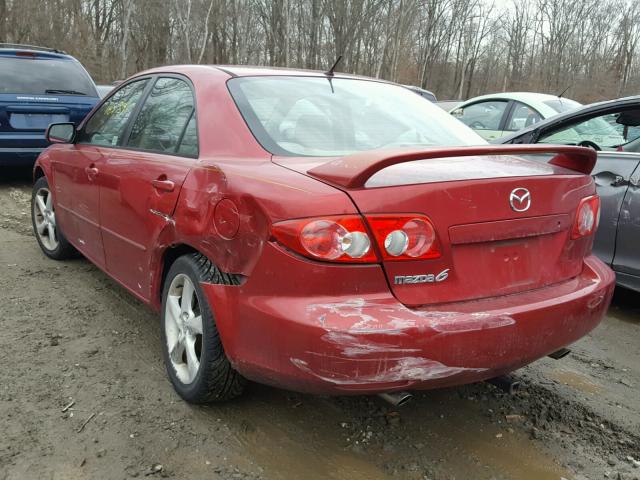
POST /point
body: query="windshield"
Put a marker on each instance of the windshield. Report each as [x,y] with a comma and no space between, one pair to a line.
[561,105]
[316,117]
[37,76]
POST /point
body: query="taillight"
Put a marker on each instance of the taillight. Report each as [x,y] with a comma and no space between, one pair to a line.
[587,217]
[346,238]
[404,237]
[333,239]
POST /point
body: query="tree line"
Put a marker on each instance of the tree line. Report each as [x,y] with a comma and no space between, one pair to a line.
[455,48]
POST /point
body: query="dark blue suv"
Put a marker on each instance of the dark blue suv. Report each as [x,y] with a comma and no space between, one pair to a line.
[38,86]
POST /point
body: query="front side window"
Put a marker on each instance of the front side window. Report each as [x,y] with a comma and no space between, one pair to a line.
[164,118]
[522,116]
[604,131]
[107,125]
[482,115]
[314,116]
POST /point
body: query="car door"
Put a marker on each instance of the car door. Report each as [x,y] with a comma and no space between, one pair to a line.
[626,261]
[612,172]
[142,180]
[77,170]
[485,117]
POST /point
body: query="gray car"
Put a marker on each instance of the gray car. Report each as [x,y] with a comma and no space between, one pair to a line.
[613,129]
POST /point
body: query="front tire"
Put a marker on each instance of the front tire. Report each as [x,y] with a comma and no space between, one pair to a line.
[52,241]
[193,353]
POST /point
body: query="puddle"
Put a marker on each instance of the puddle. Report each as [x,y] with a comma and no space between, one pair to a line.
[438,430]
[472,447]
[576,380]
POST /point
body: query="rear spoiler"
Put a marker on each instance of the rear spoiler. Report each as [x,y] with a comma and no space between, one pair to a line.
[353,171]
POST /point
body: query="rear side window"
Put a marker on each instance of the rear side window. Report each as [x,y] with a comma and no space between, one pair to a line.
[522,116]
[482,115]
[44,76]
[107,125]
[165,118]
[189,144]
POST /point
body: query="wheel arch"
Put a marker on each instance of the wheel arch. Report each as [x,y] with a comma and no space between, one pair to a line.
[165,260]
[38,172]
[168,256]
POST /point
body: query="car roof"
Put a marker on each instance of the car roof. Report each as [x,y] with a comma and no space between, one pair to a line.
[255,71]
[592,108]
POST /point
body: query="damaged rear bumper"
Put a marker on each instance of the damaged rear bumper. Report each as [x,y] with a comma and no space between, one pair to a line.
[352,336]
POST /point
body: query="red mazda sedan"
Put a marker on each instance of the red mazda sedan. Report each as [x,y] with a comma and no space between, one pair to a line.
[323,233]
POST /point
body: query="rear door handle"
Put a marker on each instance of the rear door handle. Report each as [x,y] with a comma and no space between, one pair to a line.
[163,184]
[91,171]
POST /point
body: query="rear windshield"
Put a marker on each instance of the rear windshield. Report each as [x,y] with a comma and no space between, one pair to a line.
[38,76]
[314,116]
[562,104]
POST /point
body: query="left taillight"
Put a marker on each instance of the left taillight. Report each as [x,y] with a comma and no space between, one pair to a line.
[332,239]
[587,217]
[347,238]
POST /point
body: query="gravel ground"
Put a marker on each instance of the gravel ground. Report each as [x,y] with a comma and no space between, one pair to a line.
[83,394]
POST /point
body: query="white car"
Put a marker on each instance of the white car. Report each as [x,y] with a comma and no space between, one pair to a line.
[496,115]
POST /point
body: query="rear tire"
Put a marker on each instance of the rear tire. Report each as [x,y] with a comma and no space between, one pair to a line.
[193,353]
[46,229]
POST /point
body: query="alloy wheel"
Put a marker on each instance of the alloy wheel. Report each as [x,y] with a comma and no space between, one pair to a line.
[183,328]
[45,219]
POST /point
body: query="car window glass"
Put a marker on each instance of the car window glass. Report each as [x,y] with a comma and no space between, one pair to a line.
[603,131]
[163,117]
[189,144]
[482,115]
[106,126]
[522,116]
[44,76]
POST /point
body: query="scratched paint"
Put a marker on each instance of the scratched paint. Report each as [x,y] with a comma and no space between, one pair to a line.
[415,369]
[400,317]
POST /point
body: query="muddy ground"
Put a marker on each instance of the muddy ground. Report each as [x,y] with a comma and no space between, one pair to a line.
[69,335]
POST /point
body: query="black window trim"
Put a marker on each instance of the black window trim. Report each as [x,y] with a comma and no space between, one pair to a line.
[126,133]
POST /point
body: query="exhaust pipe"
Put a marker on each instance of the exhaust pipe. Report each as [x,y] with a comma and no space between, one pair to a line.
[558,354]
[397,399]
[506,383]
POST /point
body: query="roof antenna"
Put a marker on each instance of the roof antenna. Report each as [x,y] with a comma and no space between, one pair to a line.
[564,91]
[329,73]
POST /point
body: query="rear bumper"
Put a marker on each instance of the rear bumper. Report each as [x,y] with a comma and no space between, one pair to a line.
[16,156]
[365,341]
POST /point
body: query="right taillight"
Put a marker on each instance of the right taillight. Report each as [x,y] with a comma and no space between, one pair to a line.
[587,217]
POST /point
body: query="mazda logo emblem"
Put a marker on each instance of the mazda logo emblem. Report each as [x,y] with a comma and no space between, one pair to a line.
[520,199]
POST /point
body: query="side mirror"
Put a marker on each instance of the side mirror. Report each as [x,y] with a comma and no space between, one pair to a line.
[61,133]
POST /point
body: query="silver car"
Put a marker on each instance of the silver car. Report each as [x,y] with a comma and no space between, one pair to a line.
[613,129]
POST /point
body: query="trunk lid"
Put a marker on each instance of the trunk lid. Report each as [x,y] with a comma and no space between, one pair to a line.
[488,248]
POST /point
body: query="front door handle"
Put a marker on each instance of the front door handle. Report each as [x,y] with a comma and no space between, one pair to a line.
[91,171]
[163,184]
